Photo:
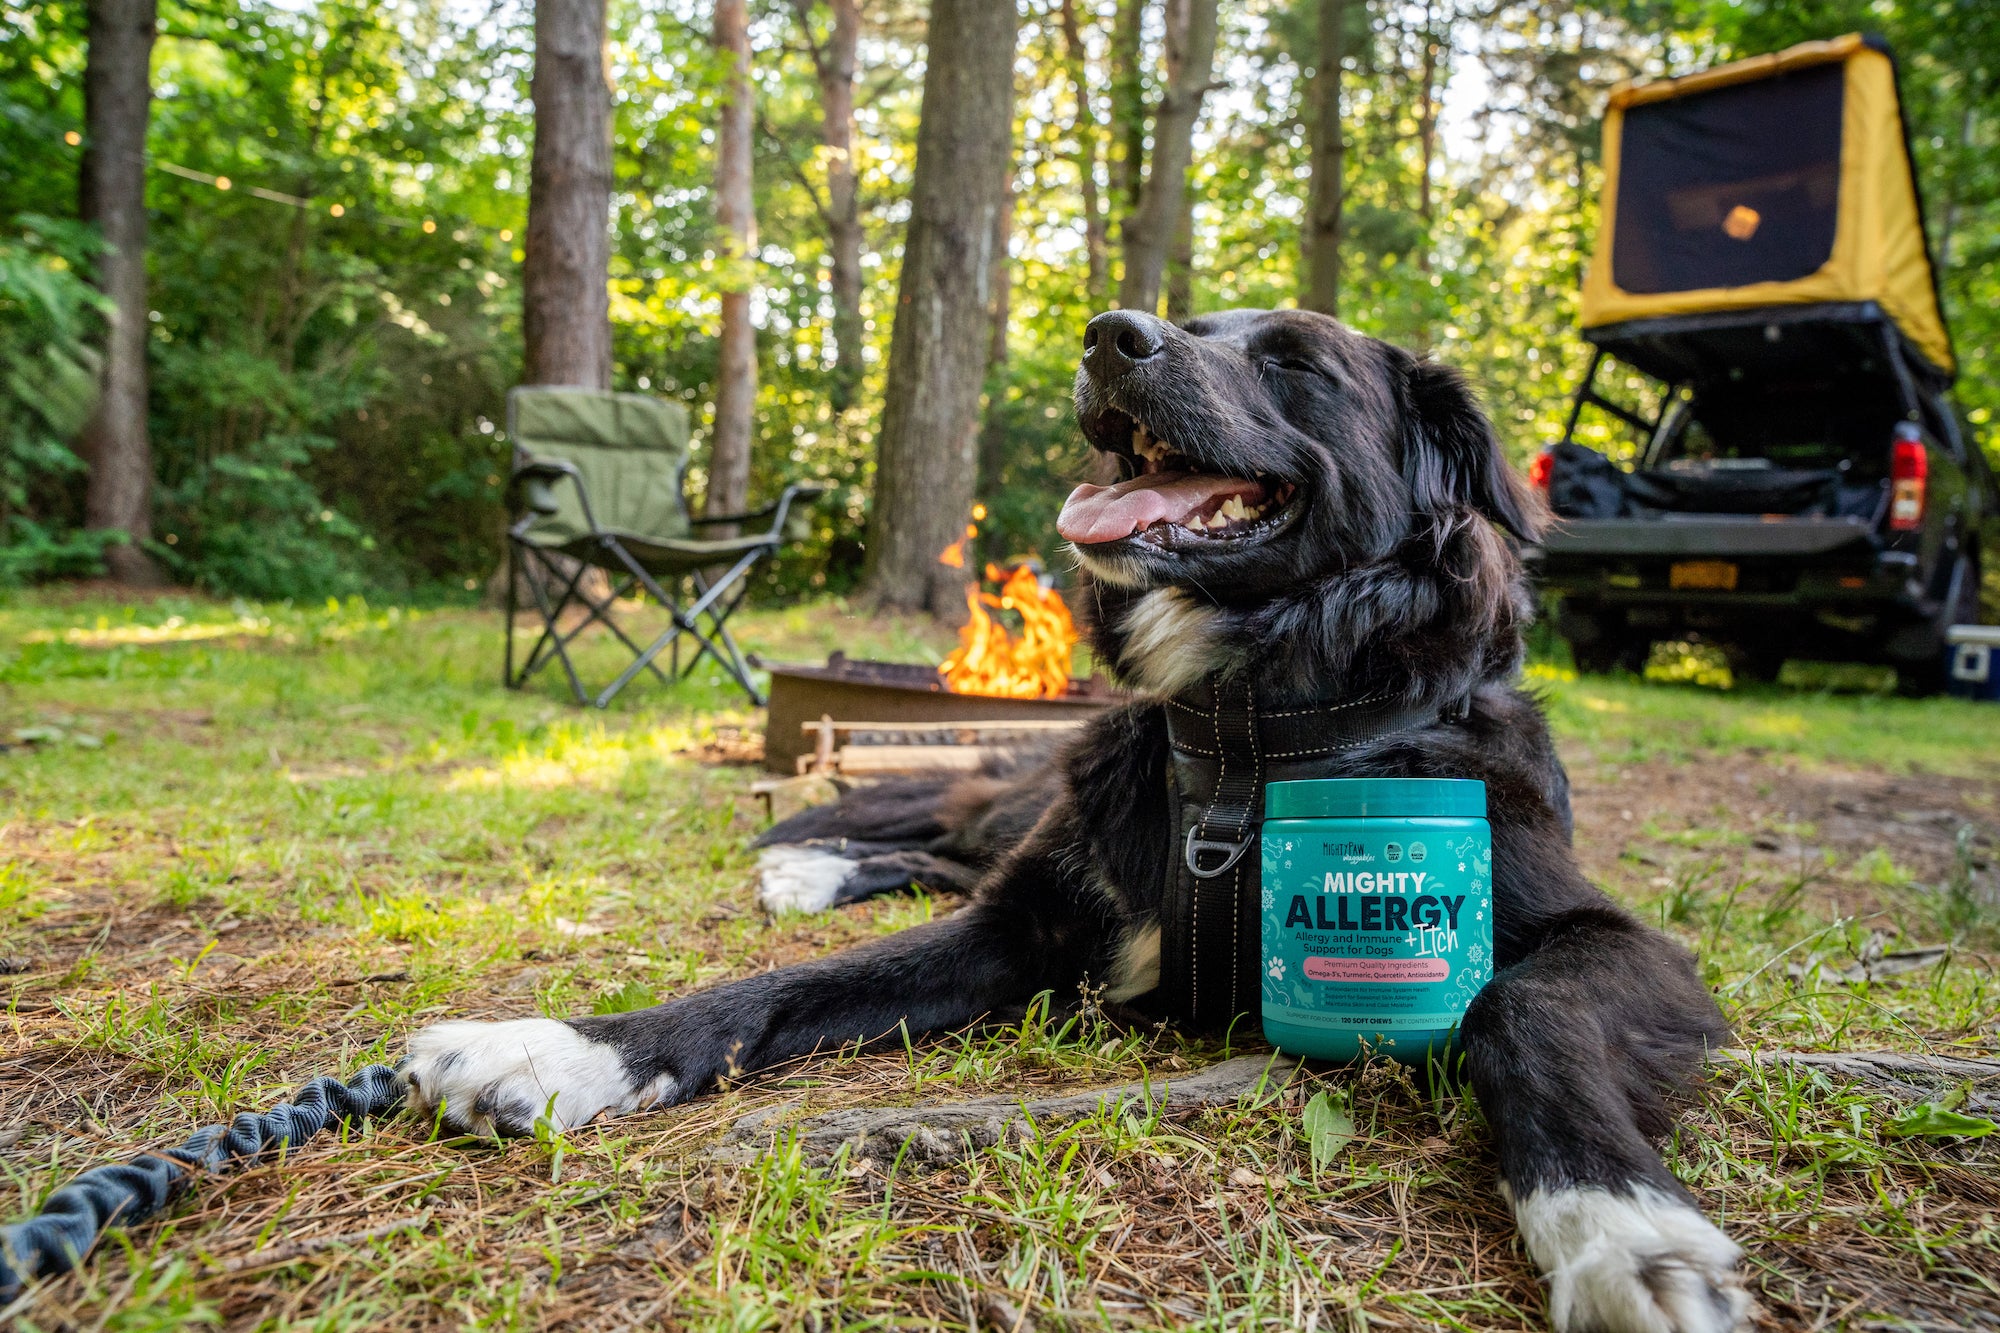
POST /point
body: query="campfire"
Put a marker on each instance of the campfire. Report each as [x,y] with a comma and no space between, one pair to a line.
[1006,685]
[992,661]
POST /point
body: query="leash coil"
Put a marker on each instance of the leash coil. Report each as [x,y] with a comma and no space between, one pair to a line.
[57,1238]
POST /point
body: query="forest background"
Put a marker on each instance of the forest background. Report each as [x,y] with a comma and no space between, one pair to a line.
[337,194]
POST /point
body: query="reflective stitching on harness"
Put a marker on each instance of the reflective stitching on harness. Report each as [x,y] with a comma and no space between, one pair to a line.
[1194,899]
[1242,835]
[1362,702]
[1348,745]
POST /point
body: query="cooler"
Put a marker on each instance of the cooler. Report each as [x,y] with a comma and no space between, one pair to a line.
[1973,666]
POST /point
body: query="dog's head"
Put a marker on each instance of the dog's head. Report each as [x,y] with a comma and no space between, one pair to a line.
[1283,475]
[1262,445]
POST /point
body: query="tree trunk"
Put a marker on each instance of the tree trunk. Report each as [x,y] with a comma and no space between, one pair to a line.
[565,298]
[117,98]
[736,376]
[1180,255]
[928,450]
[835,64]
[1001,284]
[1094,235]
[1329,148]
[993,424]
[1427,119]
[1180,268]
[1150,230]
[1128,108]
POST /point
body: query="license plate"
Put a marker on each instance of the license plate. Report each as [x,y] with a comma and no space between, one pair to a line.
[1716,575]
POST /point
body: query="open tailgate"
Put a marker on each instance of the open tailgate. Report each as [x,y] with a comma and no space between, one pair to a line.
[1713,536]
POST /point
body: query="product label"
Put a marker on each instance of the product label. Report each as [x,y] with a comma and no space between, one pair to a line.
[1376,925]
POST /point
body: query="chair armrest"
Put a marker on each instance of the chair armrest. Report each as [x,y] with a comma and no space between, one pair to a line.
[535,479]
[761,511]
[778,510]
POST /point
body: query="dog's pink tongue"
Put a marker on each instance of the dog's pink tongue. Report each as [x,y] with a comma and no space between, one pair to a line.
[1107,513]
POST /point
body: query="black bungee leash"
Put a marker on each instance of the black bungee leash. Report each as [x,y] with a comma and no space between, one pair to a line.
[62,1234]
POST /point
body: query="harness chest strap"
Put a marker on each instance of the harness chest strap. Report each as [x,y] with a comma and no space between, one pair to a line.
[1225,749]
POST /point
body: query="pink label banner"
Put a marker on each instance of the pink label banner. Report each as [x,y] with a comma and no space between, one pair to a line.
[1377,969]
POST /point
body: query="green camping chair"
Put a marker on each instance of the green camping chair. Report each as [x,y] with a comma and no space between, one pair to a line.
[597,478]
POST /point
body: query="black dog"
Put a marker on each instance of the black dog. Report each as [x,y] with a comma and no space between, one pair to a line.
[1308,515]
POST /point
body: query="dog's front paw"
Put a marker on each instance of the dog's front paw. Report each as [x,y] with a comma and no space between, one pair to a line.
[498,1078]
[800,879]
[1638,1262]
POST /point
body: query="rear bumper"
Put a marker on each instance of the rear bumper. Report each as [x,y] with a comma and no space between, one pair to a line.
[1710,537]
[1795,575]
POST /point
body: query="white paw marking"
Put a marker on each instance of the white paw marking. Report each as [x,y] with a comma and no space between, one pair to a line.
[800,879]
[1642,1262]
[1169,642]
[497,1078]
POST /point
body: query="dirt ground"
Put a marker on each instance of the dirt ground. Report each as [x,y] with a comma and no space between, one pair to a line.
[1635,821]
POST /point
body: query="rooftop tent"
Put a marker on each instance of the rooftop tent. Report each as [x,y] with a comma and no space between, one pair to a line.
[1779,181]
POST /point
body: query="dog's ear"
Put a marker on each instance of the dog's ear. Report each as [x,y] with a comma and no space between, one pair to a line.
[1452,458]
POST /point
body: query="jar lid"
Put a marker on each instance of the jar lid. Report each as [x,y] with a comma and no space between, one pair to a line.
[1358,798]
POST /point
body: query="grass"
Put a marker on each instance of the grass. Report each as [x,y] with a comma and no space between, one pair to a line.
[247,844]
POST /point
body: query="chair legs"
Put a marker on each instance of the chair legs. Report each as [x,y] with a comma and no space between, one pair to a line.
[714,603]
[720,628]
[686,622]
[553,644]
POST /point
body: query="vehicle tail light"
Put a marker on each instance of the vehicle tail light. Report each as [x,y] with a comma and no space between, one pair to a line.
[1540,468]
[1909,468]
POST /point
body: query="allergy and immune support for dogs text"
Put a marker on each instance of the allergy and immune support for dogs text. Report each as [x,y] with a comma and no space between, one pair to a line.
[1378,914]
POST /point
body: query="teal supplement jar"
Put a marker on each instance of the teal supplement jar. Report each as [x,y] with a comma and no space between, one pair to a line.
[1378,914]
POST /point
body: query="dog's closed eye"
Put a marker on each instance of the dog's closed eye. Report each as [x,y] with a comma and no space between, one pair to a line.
[1294,365]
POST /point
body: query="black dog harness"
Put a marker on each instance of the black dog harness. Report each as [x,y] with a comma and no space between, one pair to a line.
[1225,749]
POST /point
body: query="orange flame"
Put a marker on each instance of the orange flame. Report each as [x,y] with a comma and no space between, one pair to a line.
[989,660]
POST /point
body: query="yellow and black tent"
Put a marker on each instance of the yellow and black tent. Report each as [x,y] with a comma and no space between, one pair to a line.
[1779,186]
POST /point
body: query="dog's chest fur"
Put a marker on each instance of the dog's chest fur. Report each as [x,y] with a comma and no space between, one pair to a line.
[1171,641]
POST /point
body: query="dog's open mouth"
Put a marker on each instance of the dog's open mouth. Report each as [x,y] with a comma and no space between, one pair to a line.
[1170,499]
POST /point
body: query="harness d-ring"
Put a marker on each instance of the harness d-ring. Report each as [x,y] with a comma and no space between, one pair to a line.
[1232,852]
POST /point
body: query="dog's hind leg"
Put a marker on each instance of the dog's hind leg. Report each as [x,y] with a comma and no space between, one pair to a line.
[902,812]
[1570,1051]
[815,859]
[938,834]
[893,871]
[821,875]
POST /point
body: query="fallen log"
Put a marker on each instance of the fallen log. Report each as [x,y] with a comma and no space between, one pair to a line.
[1906,1074]
[937,1133]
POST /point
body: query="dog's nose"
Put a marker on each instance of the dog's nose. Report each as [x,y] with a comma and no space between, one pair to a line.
[1118,340]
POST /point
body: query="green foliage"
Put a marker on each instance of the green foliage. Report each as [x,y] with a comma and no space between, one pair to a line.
[623,999]
[1326,1127]
[48,387]
[328,388]
[1942,1119]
